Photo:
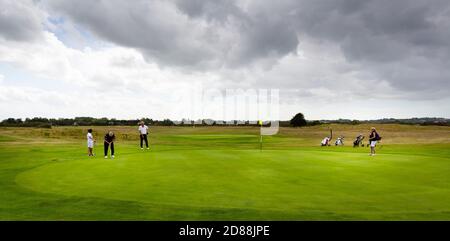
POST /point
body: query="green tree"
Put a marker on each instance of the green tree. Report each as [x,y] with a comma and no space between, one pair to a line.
[298,120]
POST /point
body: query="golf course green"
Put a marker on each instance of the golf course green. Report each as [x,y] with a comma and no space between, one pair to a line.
[219,173]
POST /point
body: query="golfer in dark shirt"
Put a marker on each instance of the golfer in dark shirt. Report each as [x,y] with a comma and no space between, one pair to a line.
[373,139]
[109,141]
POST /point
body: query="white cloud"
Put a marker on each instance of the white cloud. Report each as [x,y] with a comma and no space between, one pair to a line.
[112,81]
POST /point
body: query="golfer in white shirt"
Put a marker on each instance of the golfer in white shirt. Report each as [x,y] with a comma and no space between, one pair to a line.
[90,142]
[143,132]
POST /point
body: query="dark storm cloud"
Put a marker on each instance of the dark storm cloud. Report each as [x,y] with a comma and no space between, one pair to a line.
[19,21]
[218,10]
[405,43]
[258,34]
[150,26]
[378,30]
[186,33]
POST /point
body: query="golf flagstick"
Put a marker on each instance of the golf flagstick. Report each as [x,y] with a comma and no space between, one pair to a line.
[260,137]
[260,143]
[269,130]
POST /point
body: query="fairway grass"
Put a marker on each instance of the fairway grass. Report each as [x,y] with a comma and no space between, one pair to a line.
[212,174]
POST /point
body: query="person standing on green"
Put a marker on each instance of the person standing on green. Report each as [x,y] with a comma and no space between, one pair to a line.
[373,139]
[109,142]
[143,132]
[90,142]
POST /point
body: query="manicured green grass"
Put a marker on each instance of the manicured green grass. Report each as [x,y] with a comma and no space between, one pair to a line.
[217,174]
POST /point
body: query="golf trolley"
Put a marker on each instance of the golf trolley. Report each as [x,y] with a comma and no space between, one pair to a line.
[358,141]
[339,141]
[327,140]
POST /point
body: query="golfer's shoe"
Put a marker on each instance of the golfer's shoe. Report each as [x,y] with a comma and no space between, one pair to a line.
[142,148]
[148,148]
[112,156]
[106,157]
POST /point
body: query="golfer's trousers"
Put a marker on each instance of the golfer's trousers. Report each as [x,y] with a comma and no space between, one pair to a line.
[106,145]
[144,138]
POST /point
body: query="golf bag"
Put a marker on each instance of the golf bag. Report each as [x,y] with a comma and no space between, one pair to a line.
[339,141]
[358,141]
[326,141]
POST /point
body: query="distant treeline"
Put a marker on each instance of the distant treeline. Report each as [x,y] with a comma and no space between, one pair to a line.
[411,121]
[89,121]
[78,121]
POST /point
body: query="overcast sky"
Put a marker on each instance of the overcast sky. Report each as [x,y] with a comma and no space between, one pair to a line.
[357,59]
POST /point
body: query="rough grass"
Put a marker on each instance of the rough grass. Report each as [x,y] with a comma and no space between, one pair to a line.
[218,173]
